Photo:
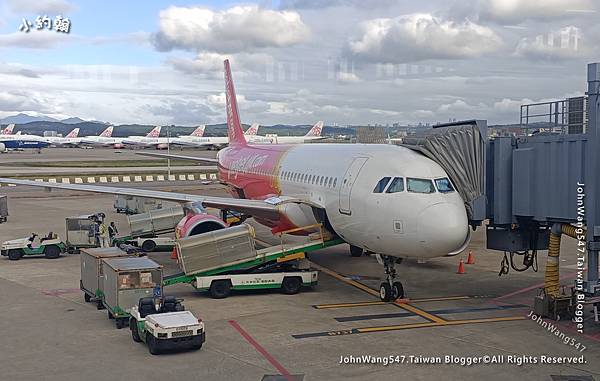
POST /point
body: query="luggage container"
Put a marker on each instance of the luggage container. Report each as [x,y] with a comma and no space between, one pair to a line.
[91,271]
[125,282]
[3,208]
[79,233]
[135,205]
[155,222]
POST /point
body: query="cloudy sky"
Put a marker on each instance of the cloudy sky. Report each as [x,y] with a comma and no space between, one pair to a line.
[295,61]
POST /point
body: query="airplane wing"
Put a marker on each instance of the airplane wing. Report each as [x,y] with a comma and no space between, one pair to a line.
[179,157]
[261,209]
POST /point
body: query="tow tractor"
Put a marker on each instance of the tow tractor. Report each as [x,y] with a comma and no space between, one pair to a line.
[50,246]
[163,324]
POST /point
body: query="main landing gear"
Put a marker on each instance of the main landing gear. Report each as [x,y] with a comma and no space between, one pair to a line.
[390,289]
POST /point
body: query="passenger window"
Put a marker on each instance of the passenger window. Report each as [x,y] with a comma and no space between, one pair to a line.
[334,182]
[444,185]
[396,186]
[381,185]
[329,182]
[419,185]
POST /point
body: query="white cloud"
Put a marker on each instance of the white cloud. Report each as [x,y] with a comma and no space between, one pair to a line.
[418,37]
[210,64]
[35,39]
[562,44]
[233,30]
[347,77]
[517,11]
[50,7]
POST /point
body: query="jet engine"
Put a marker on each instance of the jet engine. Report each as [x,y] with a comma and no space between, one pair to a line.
[2,147]
[193,224]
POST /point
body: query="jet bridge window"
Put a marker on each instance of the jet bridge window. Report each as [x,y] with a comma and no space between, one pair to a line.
[396,186]
[379,188]
[444,185]
[420,185]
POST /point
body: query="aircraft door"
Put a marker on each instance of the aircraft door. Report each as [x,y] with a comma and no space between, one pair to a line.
[347,183]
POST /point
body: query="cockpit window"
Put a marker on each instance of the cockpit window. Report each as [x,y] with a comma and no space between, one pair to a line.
[444,185]
[419,185]
[381,185]
[397,185]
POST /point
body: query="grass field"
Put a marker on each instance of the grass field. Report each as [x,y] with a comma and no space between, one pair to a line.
[98,163]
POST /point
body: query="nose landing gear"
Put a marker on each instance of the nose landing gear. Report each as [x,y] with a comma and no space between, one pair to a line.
[390,289]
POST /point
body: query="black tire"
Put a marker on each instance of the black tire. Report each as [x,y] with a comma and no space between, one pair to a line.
[99,305]
[121,323]
[15,254]
[52,252]
[291,285]
[110,315]
[153,346]
[148,245]
[135,334]
[356,251]
[196,347]
[220,289]
[86,297]
[385,292]
[398,290]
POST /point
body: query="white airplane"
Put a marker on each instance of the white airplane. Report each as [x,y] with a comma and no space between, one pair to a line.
[218,142]
[105,139]
[313,134]
[70,140]
[151,139]
[381,198]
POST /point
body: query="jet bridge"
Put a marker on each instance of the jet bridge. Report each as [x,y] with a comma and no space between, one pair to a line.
[530,188]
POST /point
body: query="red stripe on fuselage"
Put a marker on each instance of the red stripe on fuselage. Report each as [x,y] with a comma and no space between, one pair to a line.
[254,169]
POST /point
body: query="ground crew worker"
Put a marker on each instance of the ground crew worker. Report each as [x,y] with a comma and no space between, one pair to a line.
[104,237]
[112,231]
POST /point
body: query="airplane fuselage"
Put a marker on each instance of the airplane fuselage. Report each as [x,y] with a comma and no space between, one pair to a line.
[340,180]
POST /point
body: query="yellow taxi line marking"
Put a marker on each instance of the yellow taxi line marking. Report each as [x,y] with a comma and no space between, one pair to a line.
[369,290]
[375,303]
[435,324]
[345,280]
[347,305]
[420,312]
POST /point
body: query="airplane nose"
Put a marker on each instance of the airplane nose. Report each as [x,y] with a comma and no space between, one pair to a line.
[442,228]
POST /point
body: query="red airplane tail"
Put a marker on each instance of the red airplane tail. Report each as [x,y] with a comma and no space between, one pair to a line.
[108,132]
[73,134]
[234,127]
[316,130]
[199,131]
[155,133]
[9,129]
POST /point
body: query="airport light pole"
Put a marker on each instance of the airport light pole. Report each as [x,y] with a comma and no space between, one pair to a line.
[168,153]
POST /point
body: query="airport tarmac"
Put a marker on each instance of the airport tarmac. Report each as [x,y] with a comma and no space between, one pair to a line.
[52,334]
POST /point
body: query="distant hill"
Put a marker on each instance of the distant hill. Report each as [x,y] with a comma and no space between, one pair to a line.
[73,120]
[24,118]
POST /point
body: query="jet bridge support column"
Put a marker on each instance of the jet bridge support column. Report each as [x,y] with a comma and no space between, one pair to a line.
[592,183]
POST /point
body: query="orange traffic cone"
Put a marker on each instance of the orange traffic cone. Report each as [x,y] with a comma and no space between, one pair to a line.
[471,258]
[174,254]
[461,267]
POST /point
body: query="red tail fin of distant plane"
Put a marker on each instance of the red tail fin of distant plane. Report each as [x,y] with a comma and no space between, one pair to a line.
[199,131]
[9,129]
[155,133]
[73,134]
[234,127]
[316,130]
[108,132]
[252,130]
